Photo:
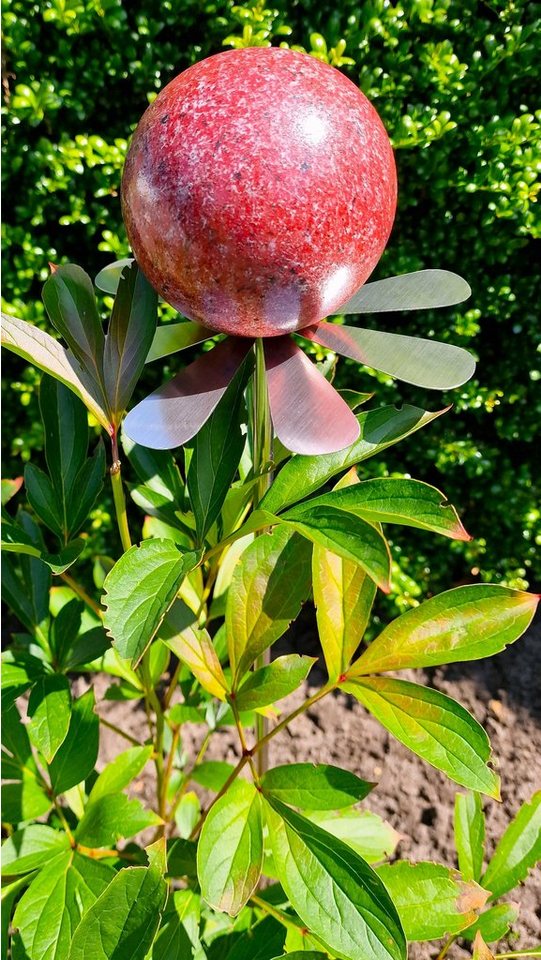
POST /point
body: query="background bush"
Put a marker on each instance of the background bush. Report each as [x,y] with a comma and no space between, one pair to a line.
[455,84]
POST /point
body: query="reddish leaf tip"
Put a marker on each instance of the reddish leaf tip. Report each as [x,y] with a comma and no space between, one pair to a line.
[52,267]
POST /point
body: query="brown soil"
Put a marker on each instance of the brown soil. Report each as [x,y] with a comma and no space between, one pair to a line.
[503,693]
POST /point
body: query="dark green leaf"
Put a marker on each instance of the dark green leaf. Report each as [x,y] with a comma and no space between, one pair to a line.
[86,488]
[19,671]
[43,499]
[157,469]
[181,858]
[178,936]
[273,682]
[334,891]
[130,334]
[17,541]
[315,786]
[217,449]
[351,537]
[31,848]
[69,299]
[87,647]
[303,955]
[111,818]
[49,711]
[433,726]
[10,895]
[120,772]
[24,798]
[392,500]
[518,850]
[212,774]
[26,589]
[65,629]
[139,590]
[469,826]
[230,850]
[76,757]
[124,920]
[51,909]
[268,587]
[261,942]
[466,623]
[432,900]
[301,476]
[343,596]
[65,424]
[494,923]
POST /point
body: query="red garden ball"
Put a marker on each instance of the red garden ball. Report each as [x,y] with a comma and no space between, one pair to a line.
[259,191]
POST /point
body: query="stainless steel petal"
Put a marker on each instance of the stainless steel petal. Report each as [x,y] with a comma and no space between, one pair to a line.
[425,363]
[308,415]
[421,290]
[174,413]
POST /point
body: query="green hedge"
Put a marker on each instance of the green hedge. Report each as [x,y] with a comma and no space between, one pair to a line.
[455,83]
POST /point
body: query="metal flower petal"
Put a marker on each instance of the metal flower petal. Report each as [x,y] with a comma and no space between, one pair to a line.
[308,415]
[175,412]
[420,290]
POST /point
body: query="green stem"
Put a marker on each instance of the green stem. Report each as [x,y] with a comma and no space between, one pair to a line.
[118,496]
[534,952]
[81,592]
[262,456]
[184,786]
[121,733]
[446,947]
[152,702]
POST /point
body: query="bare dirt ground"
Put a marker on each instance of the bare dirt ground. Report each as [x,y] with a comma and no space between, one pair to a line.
[503,693]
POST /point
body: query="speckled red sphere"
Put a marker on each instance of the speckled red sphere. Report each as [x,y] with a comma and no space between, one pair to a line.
[259,191]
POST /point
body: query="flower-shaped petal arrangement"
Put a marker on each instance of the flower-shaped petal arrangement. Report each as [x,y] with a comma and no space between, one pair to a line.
[258,195]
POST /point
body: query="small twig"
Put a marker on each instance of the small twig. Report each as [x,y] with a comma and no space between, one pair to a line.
[121,733]
[187,777]
[446,947]
[118,496]
[81,592]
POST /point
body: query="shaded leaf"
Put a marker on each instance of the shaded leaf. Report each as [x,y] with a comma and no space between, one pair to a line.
[230,850]
[65,425]
[76,757]
[466,623]
[69,299]
[49,711]
[273,682]
[335,893]
[86,488]
[43,500]
[343,597]
[112,817]
[469,828]
[50,911]
[31,848]
[124,920]
[24,798]
[16,540]
[139,590]
[178,936]
[432,900]
[518,850]
[212,774]
[314,786]
[181,858]
[64,630]
[268,587]
[433,726]
[129,336]
[381,428]
[108,277]
[365,832]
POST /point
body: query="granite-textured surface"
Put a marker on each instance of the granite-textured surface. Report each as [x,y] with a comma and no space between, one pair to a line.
[259,191]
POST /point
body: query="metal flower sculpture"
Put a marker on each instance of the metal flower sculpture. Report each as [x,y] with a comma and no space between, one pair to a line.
[258,194]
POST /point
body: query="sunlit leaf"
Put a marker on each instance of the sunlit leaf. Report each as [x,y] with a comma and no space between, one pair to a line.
[420,290]
[9,489]
[108,278]
[273,682]
[112,817]
[31,848]
[518,850]
[69,299]
[365,832]
[49,711]
[193,645]
[433,726]
[466,623]
[432,900]
[120,772]
[16,540]
[172,337]
[230,850]
[314,786]
[75,758]
[469,829]
[494,923]
[24,797]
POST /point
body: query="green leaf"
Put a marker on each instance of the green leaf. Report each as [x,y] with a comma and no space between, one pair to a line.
[179,934]
[411,503]
[181,858]
[124,920]
[9,489]
[26,587]
[469,828]
[108,278]
[494,923]
[51,909]
[371,837]
[268,587]
[76,757]
[129,336]
[87,647]
[120,772]
[432,900]
[10,895]
[351,537]
[230,850]
[314,786]
[43,351]
[49,710]
[217,449]
[31,848]
[69,299]
[19,671]
[43,500]
[64,630]
[273,682]
[343,596]
[16,540]
[335,893]
[301,476]
[466,623]
[24,798]
[157,469]
[433,726]
[212,774]
[65,424]
[195,648]
[86,488]
[261,942]
[112,817]
[172,337]
[303,955]
[187,814]
[518,850]
[139,590]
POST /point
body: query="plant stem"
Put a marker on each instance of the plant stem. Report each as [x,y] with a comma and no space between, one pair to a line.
[244,746]
[187,777]
[81,592]
[120,732]
[168,771]
[118,496]
[534,952]
[262,456]
[64,822]
[446,947]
